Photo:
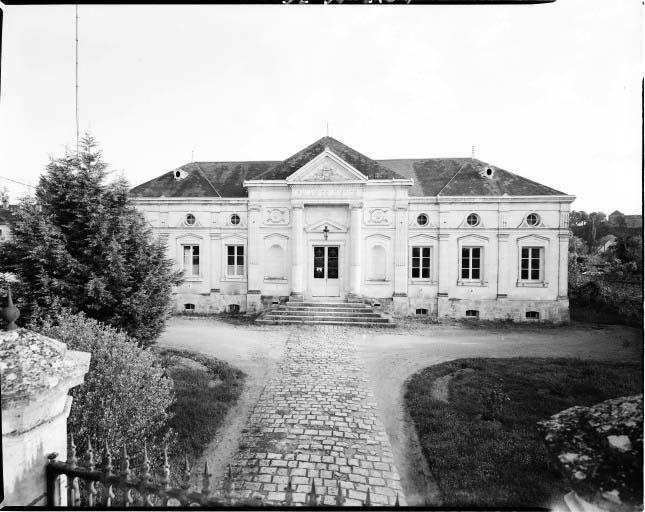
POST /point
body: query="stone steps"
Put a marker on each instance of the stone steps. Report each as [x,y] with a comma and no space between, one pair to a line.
[325,313]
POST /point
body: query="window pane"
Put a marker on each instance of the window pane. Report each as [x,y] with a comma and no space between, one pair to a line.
[332,252]
[465,252]
[240,270]
[425,272]
[465,263]
[475,263]
[230,270]
[196,269]
[187,253]
[240,249]
[415,271]
[240,260]
[475,273]
[476,251]
[231,259]
[231,250]
[196,249]
[535,274]
[464,273]
[426,252]
[525,273]
[525,252]
[415,252]
[415,262]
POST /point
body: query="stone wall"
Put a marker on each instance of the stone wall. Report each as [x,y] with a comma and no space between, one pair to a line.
[37,373]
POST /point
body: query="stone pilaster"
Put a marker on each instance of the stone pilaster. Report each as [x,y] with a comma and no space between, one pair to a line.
[297,251]
[400,297]
[444,274]
[355,230]
[254,283]
[563,266]
[504,267]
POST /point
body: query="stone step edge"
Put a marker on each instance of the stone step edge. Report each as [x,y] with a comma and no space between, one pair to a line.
[320,322]
[335,319]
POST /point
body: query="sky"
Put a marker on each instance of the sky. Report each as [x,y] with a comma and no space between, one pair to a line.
[551,92]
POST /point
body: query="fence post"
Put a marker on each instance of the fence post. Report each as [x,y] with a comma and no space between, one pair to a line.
[37,373]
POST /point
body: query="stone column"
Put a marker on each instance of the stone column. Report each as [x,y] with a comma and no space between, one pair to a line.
[355,230]
[400,297]
[297,252]
[254,279]
[37,373]
[504,266]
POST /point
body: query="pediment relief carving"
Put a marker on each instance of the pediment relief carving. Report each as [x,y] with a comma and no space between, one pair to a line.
[326,168]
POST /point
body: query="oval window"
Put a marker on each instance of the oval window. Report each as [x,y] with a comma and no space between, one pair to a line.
[235,219]
[472,219]
[532,219]
[422,219]
[190,219]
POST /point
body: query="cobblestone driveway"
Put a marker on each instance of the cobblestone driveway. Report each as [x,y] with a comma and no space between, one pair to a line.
[317,422]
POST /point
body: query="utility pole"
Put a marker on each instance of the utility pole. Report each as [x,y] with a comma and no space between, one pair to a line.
[76,83]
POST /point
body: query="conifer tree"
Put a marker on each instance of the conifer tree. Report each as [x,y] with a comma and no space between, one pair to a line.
[81,244]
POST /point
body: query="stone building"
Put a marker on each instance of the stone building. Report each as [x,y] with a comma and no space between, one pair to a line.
[447,237]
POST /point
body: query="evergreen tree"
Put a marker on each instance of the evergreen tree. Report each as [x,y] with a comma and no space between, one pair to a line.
[81,244]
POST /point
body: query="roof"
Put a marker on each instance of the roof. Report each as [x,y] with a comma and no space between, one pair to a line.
[616,212]
[430,176]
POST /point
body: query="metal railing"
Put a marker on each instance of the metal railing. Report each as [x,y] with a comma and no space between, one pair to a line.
[98,485]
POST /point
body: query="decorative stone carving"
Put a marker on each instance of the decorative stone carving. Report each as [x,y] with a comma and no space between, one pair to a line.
[277,216]
[378,217]
[325,174]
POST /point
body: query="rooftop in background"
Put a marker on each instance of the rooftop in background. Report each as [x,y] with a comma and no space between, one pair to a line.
[431,176]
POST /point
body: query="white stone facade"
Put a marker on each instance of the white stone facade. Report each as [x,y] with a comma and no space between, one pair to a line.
[410,254]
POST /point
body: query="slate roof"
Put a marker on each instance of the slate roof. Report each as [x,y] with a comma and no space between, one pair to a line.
[431,176]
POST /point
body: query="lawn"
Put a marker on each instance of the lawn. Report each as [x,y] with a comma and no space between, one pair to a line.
[502,462]
[205,388]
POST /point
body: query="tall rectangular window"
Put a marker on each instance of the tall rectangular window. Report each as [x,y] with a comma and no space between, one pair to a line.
[531,264]
[235,260]
[471,263]
[420,263]
[191,260]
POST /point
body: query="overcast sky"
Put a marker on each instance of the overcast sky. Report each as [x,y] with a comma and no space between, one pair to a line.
[551,92]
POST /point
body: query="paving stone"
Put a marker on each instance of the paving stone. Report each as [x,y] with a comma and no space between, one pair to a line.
[317,421]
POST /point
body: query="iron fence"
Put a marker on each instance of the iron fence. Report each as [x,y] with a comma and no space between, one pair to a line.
[91,484]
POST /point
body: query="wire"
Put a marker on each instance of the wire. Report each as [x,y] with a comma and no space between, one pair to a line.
[18,182]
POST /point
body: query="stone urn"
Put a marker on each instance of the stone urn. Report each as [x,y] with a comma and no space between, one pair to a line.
[10,313]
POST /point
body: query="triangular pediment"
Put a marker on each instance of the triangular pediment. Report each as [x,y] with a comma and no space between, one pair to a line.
[327,167]
[320,225]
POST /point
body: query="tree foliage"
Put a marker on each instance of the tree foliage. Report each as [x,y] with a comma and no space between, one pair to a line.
[81,244]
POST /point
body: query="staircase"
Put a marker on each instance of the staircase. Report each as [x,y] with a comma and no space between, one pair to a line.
[325,313]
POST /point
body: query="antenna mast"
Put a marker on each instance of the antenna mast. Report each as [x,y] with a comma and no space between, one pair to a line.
[76,83]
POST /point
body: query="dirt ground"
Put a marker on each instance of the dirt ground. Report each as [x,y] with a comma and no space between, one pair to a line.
[390,356]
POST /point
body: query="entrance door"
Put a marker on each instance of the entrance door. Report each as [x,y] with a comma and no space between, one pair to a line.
[325,281]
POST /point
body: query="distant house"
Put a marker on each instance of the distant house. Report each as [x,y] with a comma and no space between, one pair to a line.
[618,218]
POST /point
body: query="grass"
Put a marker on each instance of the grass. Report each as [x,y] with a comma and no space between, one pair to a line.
[503,462]
[204,393]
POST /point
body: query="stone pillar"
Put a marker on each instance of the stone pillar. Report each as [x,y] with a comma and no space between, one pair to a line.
[355,230]
[37,373]
[504,266]
[297,252]
[254,280]
[444,274]
[400,297]
[563,266]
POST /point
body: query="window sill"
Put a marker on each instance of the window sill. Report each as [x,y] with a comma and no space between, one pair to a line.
[532,284]
[472,283]
[234,278]
[193,278]
[276,280]
[377,281]
[414,280]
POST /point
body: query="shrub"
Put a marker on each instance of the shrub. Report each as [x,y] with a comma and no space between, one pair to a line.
[126,394]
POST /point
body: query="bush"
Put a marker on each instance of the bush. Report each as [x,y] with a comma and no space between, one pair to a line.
[126,394]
